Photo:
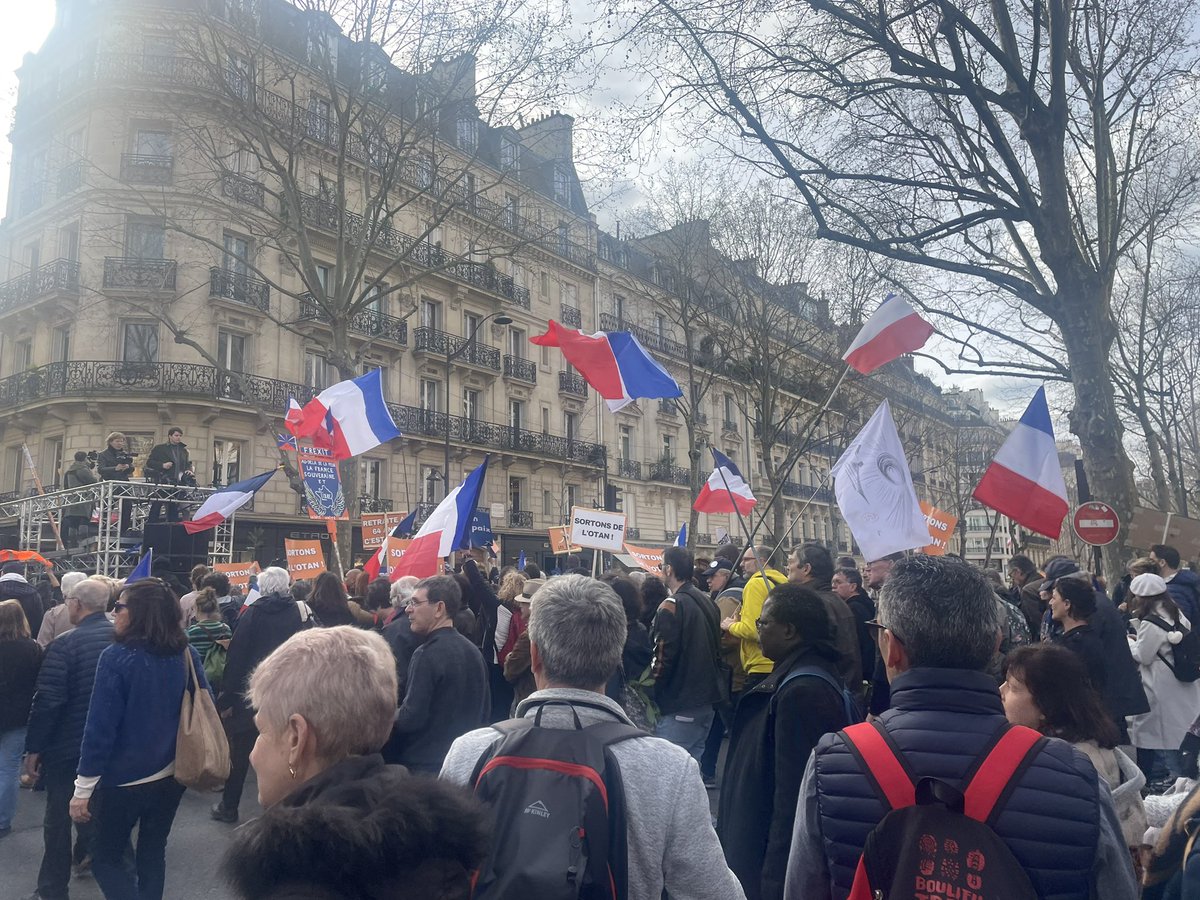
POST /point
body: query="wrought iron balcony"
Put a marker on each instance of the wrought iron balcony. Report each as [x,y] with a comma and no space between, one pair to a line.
[432,340]
[520,518]
[822,495]
[702,537]
[572,383]
[571,317]
[648,338]
[368,321]
[130,273]
[369,504]
[794,489]
[668,408]
[244,190]
[668,472]
[70,177]
[60,275]
[700,418]
[629,468]
[633,534]
[137,168]
[729,425]
[671,536]
[520,369]
[239,287]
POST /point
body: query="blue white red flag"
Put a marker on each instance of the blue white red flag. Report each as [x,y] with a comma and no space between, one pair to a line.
[293,415]
[521,561]
[286,442]
[142,569]
[681,538]
[225,502]
[726,490]
[1024,481]
[349,418]
[613,362]
[894,329]
[375,564]
[447,529]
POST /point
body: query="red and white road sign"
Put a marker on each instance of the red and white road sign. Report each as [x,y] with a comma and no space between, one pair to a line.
[1096,524]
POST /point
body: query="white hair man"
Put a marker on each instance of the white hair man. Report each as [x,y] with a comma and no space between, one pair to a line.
[57,621]
[398,632]
[60,707]
[576,634]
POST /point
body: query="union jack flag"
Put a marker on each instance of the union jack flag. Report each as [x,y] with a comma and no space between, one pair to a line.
[286,442]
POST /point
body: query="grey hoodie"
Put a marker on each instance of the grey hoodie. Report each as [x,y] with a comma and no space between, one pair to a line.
[671,840]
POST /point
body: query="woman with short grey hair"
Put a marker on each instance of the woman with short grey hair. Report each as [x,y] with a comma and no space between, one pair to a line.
[338,821]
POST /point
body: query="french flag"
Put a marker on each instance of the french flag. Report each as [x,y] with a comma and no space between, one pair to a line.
[1024,481]
[613,362]
[224,503]
[349,418]
[447,529]
[374,565]
[294,415]
[894,330]
[726,490]
[681,538]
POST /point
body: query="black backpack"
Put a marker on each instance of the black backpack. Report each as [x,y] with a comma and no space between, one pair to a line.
[850,707]
[1186,653]
[558,809]
[936,840]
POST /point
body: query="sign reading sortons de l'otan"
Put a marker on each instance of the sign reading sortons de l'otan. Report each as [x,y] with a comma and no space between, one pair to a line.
[598,529]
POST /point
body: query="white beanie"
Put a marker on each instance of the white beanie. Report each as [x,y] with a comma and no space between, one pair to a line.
[1147,585]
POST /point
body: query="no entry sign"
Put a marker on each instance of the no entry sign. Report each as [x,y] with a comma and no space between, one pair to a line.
[1096,524]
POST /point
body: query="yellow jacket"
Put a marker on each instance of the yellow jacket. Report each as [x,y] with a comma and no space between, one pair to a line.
[754,595]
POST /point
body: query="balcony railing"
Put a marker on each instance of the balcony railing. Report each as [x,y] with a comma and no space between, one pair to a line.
[137,168]
[60,275]
[668,408]
[244,190]
[70,177]
[702,537]
[318,212]
[367,321]
[432,340]
[129,273]
[520,369]
[700,418]
[239,287]
[648,338]
[629,468]
[520,518]
[572,383]
[633,534]
[571,317]
[159,379]
[369,504]
[668,472]
[730,426]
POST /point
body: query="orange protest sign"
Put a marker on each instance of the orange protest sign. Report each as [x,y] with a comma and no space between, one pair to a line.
[237,573]
[560,540]
[305,559]
[941,529]
[396,548]
[649,559]
[377,526]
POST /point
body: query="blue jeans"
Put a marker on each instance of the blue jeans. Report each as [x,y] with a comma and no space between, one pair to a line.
[151,807]
[688,728]
[12,747]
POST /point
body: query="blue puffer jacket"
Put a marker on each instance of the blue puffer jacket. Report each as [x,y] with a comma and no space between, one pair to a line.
[1184,589]
[942,719]
[64,689]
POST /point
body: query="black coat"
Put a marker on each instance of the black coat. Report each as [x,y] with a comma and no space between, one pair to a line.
[399,636]
[689,634]
[863,608]
[774,731]
[64,690]
[1085,642]
[29,598]
[19,662]
[176,454]
[361,829]
[265,624]
[106,464]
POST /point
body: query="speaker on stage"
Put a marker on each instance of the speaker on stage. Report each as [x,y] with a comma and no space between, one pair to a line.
[174,548]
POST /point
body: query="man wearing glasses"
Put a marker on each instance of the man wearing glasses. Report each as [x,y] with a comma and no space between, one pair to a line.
[447,693]
[60,708]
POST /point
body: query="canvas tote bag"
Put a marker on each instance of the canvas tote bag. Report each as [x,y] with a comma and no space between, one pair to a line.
[201,750]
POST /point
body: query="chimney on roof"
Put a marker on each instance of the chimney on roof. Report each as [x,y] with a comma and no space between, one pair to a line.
[551,136]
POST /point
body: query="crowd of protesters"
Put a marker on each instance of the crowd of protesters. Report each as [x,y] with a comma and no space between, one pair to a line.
[381,720]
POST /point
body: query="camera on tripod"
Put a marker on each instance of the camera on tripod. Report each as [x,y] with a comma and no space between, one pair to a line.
[188,479]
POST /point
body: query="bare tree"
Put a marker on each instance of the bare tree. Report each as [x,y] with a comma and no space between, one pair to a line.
[999,144]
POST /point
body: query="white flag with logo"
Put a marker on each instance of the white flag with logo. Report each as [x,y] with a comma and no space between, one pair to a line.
[874,490]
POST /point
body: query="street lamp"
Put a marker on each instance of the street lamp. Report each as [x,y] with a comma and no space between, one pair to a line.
[500,319]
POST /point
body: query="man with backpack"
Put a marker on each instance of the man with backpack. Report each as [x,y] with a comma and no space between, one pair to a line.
[688,679]
[775,727]
[941,795]
[585,804]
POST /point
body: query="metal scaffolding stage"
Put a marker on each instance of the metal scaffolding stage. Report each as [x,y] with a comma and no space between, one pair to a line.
[107,553]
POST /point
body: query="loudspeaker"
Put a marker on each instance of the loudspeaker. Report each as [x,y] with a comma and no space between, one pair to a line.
[175,549]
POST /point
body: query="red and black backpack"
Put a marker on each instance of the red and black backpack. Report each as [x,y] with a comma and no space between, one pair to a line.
[937,840]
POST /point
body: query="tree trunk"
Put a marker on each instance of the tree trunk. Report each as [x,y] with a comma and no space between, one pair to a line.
[1162,487]
[1088,336]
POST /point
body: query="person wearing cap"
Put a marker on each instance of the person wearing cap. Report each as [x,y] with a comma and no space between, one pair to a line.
[1174,704]
[517,668]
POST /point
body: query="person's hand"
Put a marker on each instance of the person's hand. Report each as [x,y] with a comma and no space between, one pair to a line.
[33,764]
[727,623]
[227,713]
[167,465]
[122,467]
[79,810]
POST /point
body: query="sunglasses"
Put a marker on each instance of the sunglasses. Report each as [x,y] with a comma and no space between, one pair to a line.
[120,605]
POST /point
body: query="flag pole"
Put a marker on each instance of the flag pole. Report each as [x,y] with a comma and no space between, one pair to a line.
[745,527]
[799,513]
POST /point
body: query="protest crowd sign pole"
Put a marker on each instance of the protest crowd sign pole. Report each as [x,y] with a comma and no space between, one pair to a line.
[799,513]
[745,527]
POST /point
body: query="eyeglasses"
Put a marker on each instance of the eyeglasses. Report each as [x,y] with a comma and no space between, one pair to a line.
[410,604]
[120,605]
[878,628]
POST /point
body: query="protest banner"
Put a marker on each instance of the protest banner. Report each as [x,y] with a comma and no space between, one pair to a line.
[396,548]
[305,559]
[377,526]
[560,540]
[646,557]
[941,529]
[322,484]
[480,534]
[598,529]
[237,573]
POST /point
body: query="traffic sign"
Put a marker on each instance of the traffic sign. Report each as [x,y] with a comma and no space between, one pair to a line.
[1096,524]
